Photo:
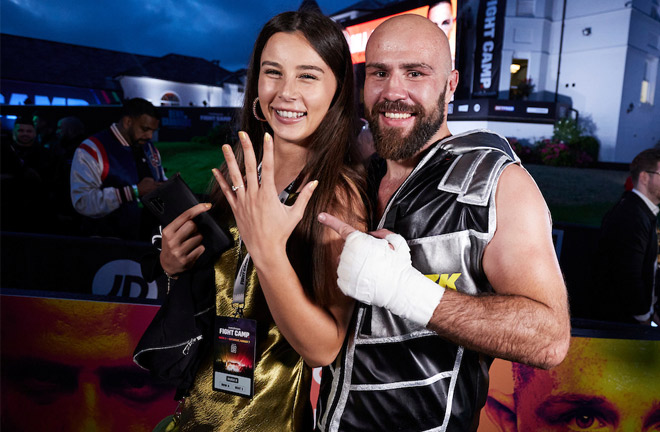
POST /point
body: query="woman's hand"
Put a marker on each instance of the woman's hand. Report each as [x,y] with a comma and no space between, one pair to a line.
[182,244]
[264,223]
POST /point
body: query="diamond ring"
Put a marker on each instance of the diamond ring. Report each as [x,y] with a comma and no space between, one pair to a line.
[235,188]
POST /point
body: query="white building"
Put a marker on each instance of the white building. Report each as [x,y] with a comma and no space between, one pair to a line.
[601,57]
[608,65]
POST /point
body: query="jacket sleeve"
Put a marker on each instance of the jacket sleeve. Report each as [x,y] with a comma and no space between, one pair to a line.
[87,195]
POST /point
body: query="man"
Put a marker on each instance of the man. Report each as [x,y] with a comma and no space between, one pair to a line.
[627,254]
[113,169]
[604,384]
[26,169]
[485,280]
[67,366]
[25,134]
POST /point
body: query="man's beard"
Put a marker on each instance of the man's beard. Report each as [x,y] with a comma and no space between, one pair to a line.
[390,143]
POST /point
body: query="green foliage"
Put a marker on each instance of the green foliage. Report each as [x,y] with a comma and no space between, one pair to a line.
[568,147]
[587,144]
[566,130]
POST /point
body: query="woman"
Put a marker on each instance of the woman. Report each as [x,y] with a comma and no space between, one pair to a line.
[299,100]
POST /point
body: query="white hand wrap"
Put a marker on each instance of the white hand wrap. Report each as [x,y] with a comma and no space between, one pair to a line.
[371,272]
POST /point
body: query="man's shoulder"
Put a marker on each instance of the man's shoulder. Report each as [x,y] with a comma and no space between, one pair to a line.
[629,212]
[479,140]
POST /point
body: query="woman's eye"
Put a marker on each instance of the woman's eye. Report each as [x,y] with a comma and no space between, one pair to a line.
[308,76]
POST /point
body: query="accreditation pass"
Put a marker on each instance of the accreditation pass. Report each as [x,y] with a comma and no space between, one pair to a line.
[234,355]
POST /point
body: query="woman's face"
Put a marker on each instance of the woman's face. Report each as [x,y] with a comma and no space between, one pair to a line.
[296,87]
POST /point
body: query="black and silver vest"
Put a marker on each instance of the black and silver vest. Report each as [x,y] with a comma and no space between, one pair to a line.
[392,374]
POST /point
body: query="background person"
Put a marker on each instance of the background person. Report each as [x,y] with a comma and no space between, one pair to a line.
[627,253]
[113,169]
[299,111]
[25,169]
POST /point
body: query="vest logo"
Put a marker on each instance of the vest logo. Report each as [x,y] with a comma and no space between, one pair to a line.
[123,278]
[445,280]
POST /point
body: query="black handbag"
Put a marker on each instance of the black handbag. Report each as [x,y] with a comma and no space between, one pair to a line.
[180,335]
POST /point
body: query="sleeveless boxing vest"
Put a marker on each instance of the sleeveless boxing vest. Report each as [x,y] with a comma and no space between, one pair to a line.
[393,374]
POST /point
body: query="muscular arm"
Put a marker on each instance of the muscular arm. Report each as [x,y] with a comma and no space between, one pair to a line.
[527,318]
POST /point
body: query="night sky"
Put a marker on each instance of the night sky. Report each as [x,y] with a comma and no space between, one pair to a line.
[211,29]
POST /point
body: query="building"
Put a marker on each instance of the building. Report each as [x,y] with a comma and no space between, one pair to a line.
[41,72]
[597,61]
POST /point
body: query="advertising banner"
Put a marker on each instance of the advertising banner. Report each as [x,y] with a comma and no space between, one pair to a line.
[488,50]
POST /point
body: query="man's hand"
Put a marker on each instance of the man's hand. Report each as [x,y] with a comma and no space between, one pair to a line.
[147,185]
[378,271]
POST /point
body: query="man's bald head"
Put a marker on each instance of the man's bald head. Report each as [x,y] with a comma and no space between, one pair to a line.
[417,34]
[407,86]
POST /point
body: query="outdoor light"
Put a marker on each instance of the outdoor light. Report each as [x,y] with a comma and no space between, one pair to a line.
[515,68]
[586,31]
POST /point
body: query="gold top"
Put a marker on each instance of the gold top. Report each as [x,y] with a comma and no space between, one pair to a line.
[281,378]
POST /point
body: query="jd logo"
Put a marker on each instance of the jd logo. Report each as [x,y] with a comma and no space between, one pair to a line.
[123,278]
[445,280]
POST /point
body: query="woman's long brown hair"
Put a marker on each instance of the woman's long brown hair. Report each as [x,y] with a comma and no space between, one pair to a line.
[332,157]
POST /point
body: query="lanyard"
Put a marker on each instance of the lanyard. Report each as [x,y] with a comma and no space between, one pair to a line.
[240,283]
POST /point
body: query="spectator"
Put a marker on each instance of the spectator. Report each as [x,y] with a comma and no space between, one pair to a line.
[45,132]
[113,169]
[70,133]
[24,168]
[627,253]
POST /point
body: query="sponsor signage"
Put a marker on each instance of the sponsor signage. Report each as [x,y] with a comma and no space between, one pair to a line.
[488,50]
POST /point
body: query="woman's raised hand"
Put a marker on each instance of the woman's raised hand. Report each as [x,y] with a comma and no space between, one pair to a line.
[263,221]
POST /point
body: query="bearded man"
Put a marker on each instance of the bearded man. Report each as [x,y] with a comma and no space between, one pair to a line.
[113,169]
[471,273]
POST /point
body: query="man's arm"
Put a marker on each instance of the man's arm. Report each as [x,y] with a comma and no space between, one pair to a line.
[87,196]
[527,319]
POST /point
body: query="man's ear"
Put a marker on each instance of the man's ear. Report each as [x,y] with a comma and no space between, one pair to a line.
[501,410]
[126,122]
[452,83]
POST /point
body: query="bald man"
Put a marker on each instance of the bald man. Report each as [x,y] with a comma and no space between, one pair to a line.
[471,273]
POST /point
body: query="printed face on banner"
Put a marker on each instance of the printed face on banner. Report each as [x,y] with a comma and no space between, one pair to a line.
[67,365]
[602,385]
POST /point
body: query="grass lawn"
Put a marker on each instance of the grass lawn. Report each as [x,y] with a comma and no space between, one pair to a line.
[574,195]
[193,160]
[578,195]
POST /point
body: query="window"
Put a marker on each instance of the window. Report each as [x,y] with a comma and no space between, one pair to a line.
[520,87]
[648,81]
[170,99]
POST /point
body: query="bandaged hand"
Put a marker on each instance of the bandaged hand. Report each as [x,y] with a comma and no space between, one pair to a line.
[374,273]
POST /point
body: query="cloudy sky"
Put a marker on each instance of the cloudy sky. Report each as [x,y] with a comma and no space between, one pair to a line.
[212,29]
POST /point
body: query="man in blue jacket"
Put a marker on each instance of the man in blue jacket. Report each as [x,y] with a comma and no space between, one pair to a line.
[113,169]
